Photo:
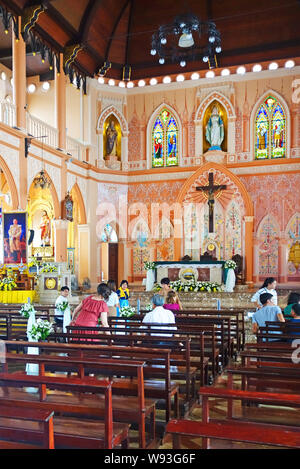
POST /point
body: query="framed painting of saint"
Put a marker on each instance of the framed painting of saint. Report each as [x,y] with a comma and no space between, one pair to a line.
[15,238]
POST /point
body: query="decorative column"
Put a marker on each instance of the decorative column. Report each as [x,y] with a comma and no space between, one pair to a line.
[198,139]
[60,104]
[231,135]
[124,151]
[282,259]
[101,162]
[143,155]
[19,77]
[249,248]
[60,240]
[255,259]
[295,125]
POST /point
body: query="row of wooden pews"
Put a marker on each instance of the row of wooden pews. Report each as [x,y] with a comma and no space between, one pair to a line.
[268,375]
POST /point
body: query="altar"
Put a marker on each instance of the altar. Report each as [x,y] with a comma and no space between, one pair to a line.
[208,270]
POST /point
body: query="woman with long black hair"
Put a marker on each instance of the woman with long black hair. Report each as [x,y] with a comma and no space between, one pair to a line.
[268,286]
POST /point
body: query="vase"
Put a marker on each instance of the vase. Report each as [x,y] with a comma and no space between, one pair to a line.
[150,280]
[230,281]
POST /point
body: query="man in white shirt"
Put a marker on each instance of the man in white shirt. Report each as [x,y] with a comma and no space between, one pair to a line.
[160,315]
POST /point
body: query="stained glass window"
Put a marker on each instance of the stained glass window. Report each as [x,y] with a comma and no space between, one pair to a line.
[165,140]
[270,130]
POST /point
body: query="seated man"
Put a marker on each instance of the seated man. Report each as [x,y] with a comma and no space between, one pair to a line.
[160,315]
[268,312]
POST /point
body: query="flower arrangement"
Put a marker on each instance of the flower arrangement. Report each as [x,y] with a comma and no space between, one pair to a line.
[156,288]
[193,286]
[149,265]
[230,264]
[149,307]
[41,329]
[33,262]
[48,268]
[127,312]
[7,284]
[62,306]
[26,309]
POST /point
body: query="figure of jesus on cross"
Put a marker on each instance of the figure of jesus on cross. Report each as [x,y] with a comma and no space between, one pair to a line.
[211,190]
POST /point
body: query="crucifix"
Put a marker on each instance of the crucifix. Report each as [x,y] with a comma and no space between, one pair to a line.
[211,189]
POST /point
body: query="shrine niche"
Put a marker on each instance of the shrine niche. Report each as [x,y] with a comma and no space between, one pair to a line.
[215,127]
[40,207]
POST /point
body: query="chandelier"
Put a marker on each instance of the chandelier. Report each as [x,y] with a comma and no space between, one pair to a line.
[41,181]
[187,39]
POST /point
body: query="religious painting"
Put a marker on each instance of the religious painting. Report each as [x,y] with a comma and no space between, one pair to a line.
[233,231]
[165,140]
[293,232]
[68,208]
[268,234]
[278,133]
[262,134]
[270,130]
[172,159]
[15,238]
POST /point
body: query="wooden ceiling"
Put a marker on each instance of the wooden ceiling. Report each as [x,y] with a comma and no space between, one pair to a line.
[120,31]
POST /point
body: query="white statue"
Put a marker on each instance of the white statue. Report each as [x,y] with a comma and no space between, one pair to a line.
[214,131]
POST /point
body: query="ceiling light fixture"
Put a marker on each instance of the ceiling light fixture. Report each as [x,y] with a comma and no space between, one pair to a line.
[187,39]
[241,70]
[257,68]
[167,80]
[31,88]
[225,72]
[289,64]
[153,81]
[195,76]
[273,66]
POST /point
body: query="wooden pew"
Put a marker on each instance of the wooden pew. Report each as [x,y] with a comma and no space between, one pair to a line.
[158,384]
[248,432]
[203,338]
[228,394]
[71,432]
[133,409]
[131,336]
[266,377]
[9,418]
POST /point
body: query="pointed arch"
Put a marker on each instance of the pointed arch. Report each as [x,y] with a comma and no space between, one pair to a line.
[56,204]
[215,96]
[112,110]
[82,211]
[150,127]
[283,106]
[11,184]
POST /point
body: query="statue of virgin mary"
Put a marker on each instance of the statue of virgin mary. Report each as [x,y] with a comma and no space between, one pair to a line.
[214,131]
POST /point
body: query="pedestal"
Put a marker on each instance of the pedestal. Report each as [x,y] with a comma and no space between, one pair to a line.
[50,283]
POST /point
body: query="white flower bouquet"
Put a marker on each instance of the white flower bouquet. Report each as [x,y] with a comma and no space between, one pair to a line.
[41,329]
[26,309]
[127,311]
[230,264]
[149,307]
[62,306]
[192,286]
[149,265]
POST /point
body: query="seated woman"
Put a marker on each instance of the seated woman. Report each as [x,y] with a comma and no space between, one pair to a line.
[268,286]
[88,312]
[293,298]
[172,302]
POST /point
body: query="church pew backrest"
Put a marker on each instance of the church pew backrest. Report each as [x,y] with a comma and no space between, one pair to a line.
[69,384]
